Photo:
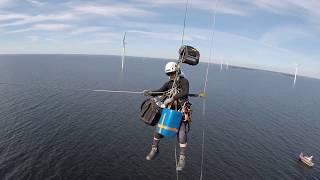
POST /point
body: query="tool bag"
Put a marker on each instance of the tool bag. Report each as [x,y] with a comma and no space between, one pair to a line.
[150,112]
[189,55]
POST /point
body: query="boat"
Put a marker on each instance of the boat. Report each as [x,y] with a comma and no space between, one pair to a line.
[306,159]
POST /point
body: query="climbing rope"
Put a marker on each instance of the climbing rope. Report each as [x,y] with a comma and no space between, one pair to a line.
[184,21]
[97,90]
[175,80]
[211,55]
[81,89]
[175,156]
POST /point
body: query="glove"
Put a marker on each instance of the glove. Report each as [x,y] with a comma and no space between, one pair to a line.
[146,92]
[168,101]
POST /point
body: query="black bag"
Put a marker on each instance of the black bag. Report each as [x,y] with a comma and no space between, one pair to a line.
[189,55]
[150,112]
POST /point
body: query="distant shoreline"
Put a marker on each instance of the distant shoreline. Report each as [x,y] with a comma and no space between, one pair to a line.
[167,59]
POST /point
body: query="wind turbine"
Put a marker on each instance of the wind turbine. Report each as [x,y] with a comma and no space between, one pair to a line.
[123,49]
[221,65]
[295,75]
[227,65]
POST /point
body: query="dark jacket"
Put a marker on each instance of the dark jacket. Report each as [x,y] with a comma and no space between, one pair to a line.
[183,87]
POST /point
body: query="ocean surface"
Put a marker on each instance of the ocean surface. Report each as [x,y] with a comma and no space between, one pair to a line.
[256,123]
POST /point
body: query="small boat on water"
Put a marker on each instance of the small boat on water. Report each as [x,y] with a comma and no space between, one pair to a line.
[306,159]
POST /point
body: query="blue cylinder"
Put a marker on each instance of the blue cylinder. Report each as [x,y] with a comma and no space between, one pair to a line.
[169,122]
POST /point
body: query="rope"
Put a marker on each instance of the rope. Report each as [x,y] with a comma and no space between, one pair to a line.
[184,21]
[172,93]
[202,153]
[175,155]
[112,91]
[182,41]
[100,90]
[92,90]
[212,53]
[211,48]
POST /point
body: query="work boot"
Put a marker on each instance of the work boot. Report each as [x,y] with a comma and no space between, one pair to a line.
[181,163]
[153,153]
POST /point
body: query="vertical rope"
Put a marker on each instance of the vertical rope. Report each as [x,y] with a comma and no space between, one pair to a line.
[182,41]
[175,155]
[174,83]
[202,153]
[212,53]
[184,22]
[212,50]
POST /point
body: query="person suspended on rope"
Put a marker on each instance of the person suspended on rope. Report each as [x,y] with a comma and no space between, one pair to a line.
[178,101]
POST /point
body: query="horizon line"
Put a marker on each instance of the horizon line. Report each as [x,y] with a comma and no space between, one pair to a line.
[161,58]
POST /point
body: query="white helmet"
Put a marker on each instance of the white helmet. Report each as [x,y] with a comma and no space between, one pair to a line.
[170,67]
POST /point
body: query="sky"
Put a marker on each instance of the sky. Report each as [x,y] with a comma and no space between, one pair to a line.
[266,34]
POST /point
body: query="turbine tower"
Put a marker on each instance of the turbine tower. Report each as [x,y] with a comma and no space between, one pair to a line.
[295,75]
[123,49]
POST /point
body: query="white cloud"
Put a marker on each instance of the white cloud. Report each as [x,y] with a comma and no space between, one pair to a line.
[27,19]
[38,38]
[286,35]
[43,27]
[173,36]
[307,11]
[275,6]
[162,2]
[33,38]
[293,7]
[223,7]
[159,35]
[51,27]
[3,2]
[108,35]
[36,3]
[283,35]
[50,39]
[6,17]
[84,30]
[99,41]
[245,7]
[263,52]
[112,10]
[160,30]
